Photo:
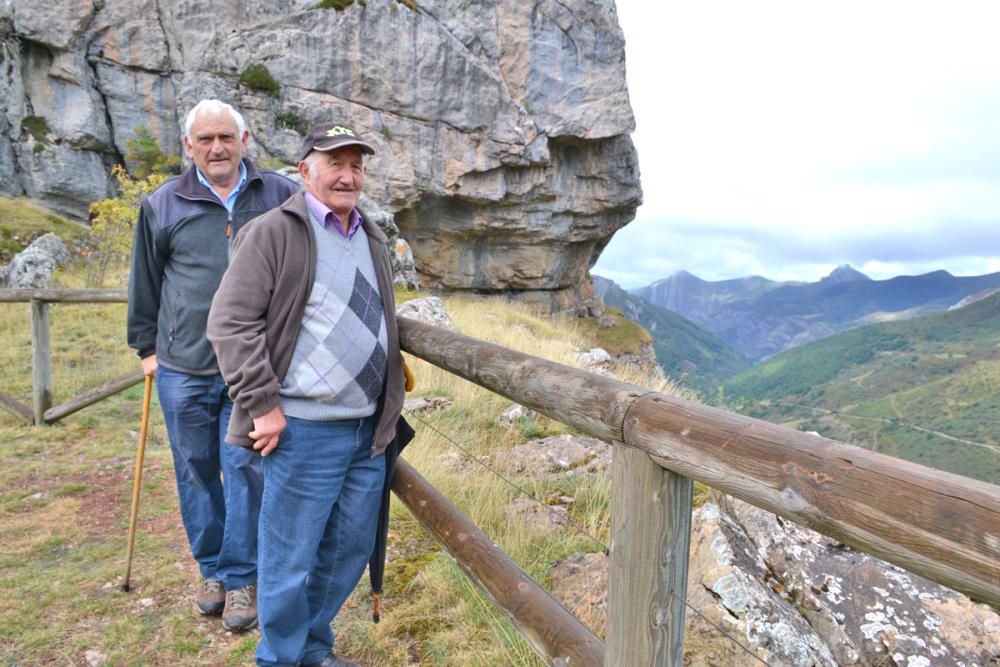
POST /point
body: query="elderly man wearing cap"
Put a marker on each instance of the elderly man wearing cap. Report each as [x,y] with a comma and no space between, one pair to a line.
[304,328]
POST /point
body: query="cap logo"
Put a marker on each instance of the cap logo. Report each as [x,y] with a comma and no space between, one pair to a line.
[337,130]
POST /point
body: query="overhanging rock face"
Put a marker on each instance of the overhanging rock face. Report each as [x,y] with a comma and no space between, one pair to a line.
[502,128]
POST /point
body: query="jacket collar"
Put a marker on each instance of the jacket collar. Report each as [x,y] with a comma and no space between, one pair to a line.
[190,187]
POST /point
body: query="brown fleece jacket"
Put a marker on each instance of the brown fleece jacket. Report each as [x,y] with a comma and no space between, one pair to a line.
[258,308]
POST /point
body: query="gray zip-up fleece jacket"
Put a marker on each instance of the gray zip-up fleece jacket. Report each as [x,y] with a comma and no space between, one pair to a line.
[182,243]
[257,312]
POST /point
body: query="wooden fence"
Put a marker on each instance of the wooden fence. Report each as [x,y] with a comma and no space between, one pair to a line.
[42,410]
[941,526]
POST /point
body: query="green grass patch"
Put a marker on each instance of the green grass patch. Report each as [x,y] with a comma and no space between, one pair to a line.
[22,222]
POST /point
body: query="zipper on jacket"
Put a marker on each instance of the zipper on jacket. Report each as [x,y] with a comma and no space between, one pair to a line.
[229,238]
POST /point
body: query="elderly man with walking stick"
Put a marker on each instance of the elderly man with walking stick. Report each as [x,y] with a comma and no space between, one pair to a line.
[183,241]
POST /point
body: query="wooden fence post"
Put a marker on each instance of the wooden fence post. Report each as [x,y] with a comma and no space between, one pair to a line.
[647,575]
[41,360]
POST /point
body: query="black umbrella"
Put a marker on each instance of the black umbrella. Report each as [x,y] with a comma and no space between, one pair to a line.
[376,566]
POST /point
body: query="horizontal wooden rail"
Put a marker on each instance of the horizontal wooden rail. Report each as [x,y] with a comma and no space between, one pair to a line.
[91,396]
[100,295]
[552,630]
[16,407]
[42,411]
[941,526]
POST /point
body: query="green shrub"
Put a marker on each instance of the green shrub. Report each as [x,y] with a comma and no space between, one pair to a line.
[339,5]
[292,121]
[37,127]
[257,77]
[148,158]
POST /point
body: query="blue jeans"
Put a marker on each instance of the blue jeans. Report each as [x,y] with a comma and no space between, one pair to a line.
[322,491]
[220,519]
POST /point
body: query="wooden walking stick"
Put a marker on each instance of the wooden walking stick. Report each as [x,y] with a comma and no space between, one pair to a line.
[143,428]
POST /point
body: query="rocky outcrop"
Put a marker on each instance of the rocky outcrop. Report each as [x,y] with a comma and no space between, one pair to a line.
[33,266]
[429,310]
[502,129]
[514,415]
[559,455]
[763,589]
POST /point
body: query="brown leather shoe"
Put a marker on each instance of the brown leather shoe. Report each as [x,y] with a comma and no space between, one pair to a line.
[240,613]
[211,597]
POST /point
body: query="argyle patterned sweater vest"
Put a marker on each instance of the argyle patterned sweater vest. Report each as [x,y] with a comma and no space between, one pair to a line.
[339,364]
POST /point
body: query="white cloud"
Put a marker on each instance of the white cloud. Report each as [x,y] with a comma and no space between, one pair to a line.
[841,132]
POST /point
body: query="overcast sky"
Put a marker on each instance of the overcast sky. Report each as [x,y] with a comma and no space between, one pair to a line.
[785,138]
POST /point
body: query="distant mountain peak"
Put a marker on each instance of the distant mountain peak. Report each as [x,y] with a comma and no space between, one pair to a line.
[683,274]
[844,273]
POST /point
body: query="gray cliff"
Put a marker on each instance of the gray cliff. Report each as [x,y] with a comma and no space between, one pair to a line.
[502,128]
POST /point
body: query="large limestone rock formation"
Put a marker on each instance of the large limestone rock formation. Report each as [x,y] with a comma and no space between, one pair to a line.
[502,128]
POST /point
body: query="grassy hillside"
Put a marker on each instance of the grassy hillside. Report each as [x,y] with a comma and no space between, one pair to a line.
[926,390]
[65,492]
[22,222]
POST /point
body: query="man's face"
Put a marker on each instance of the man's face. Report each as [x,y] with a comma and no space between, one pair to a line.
[216,147]
[338,179]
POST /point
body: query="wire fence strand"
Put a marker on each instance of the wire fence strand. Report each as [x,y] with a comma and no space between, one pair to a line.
[579,529]
[520,489]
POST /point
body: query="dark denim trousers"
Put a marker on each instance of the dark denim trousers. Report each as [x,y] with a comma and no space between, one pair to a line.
[219,485]
[322,491]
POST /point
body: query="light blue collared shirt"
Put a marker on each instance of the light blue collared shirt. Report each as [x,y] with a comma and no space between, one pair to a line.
[229,201]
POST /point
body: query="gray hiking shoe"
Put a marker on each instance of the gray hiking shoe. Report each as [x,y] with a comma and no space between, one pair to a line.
[241,609]
[332,660]
[211,597]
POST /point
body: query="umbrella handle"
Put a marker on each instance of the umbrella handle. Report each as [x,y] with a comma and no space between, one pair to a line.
[137,482]
[408,375]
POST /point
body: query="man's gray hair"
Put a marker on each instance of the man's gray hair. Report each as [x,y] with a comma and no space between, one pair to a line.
[312,161]
[213,106]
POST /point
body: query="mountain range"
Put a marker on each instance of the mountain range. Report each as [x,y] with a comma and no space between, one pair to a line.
[926,389]
[760,317]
